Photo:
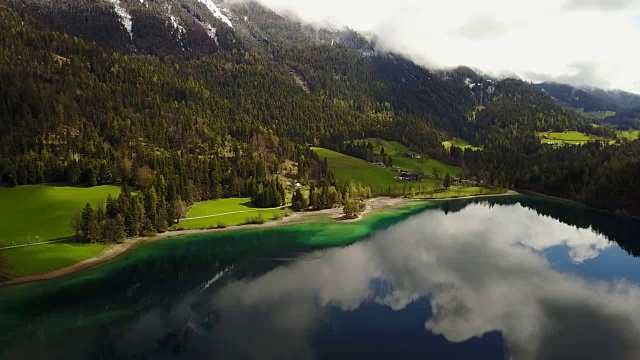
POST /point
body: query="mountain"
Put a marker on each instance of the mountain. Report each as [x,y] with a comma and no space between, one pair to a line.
[590,99]
[626,119]
[201,99]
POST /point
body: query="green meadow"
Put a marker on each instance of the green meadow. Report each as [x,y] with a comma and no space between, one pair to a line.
[463,144]
[44,258]
[628,134]
[38,213]
[566,137]
[459,191]
[349,168]
[218,211]
[578,138]
[396,150]
[596,115]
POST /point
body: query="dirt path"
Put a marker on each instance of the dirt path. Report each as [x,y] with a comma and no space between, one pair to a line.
[34,244]
[236,212]
[375,204]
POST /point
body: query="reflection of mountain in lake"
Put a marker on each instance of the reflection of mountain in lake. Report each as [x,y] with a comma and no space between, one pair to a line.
[474,278]
[621,229]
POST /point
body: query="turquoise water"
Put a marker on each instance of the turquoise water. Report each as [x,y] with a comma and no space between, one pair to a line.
[518,277]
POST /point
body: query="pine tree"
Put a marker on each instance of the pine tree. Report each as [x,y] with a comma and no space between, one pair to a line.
[298,201]
[112,207]
[151,205]
[447,181]
[313,197]
[87,220]
[138,216]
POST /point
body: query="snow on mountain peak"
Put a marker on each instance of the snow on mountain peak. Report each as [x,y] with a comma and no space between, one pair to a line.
[216,11]
[125,17]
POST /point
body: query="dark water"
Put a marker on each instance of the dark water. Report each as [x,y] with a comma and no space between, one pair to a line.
[520,278]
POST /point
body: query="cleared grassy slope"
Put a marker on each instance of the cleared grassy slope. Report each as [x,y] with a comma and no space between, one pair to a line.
[396,150]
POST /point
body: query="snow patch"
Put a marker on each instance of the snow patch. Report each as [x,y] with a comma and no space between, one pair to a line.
[176,25]
[211,31]
[174,21]
[246,18]
[125,17]
[216,11]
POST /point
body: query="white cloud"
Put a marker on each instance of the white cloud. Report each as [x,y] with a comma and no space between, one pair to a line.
[538,40]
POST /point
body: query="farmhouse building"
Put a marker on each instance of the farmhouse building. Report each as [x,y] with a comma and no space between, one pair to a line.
[411,176]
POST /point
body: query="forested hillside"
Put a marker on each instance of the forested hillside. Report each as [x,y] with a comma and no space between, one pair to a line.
[626,119]
[200,100]
[591,99]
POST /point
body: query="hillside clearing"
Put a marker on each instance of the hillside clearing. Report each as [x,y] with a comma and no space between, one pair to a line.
[463,144]
[397,151]
[566,137]
[380,180]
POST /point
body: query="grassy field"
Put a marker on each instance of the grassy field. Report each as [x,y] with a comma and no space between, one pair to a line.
[390,147]
[40,259]
[628,134]
[396,150]
[567,137]
[38,213]
[459,191]
[224,206]
[459,143]
[596,115]
[348,168]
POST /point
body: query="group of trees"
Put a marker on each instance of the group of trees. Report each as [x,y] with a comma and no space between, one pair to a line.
[298,201]
[270,194]
[364,150]
[596,174]
[353,208]
[129,215]
[324,195]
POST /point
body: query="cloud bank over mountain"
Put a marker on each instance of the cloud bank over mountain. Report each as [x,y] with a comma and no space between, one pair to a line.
[581,42]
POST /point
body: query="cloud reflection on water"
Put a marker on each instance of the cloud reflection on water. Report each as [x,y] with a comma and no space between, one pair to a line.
[482,270]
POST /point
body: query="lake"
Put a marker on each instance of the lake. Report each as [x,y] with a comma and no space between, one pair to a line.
[520,277]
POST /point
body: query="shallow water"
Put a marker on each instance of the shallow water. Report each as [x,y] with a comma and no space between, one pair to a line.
[521,278]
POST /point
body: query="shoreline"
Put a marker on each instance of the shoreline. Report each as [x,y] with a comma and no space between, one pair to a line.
[576,203]
[373,205]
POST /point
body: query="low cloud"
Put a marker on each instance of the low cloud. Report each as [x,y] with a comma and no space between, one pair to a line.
[604,5]
[543,37]
[481,28]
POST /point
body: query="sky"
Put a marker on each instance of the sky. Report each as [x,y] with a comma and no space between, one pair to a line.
[580,42]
